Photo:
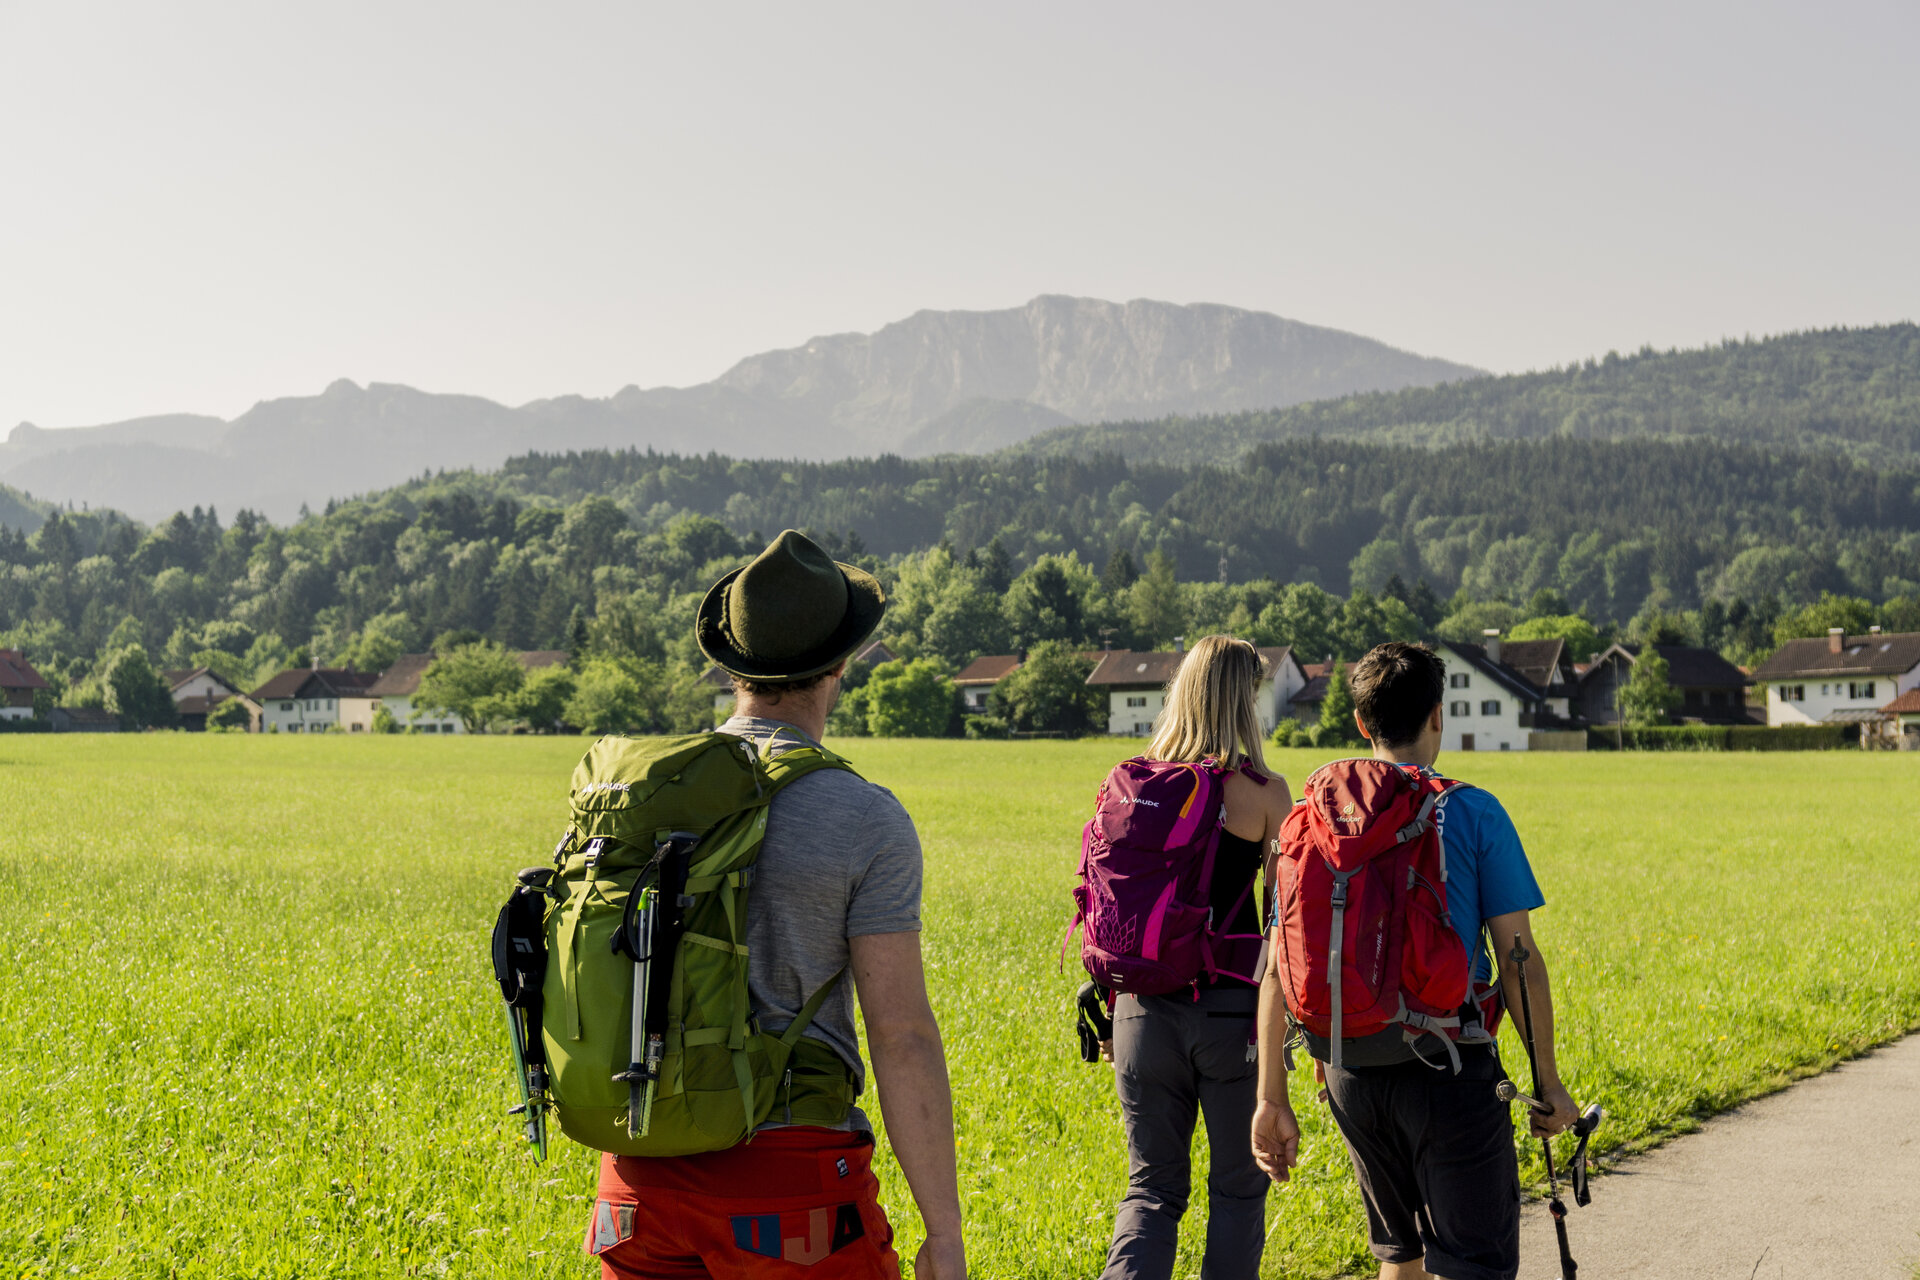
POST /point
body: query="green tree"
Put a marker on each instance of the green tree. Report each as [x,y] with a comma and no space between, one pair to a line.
[910,700]
[232,714]
[1305,617]
[384,721]
[1154,605]
[1336,711]
[1647,698]
[1048,693]
[1847,612]
[1120,572]
[471,682]
[1048,601]
[541,701]
[135,692]
[1582,637]
[606,699]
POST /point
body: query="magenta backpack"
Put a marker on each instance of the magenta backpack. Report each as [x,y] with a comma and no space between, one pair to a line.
[1146,873]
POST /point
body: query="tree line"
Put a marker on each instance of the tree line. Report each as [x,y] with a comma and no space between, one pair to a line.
[1329,546]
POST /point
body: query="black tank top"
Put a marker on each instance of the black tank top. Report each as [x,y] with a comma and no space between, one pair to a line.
[1235,865]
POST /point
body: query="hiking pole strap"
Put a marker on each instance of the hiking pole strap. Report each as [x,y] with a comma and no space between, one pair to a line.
[1340,879]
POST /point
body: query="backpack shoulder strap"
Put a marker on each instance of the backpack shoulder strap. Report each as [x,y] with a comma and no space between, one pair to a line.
[791,766]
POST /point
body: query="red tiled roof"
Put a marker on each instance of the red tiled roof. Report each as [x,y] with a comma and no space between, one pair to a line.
[991,669]
[1537,660]
[402,676]
[875,654]
[1907,704]
[17,673]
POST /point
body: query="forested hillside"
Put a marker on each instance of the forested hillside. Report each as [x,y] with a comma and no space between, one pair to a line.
[1856,390]
[608,553]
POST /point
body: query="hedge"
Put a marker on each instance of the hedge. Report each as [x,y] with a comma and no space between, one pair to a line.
[1710,737]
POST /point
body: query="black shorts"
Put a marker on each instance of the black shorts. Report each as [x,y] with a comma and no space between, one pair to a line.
[1434,1155]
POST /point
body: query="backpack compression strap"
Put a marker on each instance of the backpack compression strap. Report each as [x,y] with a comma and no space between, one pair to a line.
[787,767]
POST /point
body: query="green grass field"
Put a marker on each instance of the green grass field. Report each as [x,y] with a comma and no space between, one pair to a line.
[247,1027]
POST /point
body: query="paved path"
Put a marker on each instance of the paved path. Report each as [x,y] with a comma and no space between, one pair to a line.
[1820,1181]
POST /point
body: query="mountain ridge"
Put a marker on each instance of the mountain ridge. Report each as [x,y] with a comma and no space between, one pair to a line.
[937,381]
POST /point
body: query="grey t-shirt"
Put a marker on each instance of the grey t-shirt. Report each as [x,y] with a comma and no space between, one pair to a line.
[841,859]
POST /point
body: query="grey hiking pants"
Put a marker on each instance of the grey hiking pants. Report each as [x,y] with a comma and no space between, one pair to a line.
[1174,1056]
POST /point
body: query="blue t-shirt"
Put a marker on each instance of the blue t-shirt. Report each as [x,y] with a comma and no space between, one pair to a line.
[1487,870]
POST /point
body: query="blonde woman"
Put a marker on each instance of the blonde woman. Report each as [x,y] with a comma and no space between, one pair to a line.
[1188,1054]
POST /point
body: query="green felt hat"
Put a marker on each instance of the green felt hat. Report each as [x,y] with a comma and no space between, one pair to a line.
[793,613]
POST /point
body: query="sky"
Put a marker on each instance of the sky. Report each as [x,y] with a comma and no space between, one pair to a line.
[204,205]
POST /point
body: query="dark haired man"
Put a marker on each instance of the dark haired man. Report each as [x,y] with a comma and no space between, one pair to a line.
[836,887]
[1433,1150]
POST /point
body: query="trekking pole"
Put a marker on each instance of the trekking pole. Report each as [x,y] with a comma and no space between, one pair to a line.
[1568,1267]
[637,1075]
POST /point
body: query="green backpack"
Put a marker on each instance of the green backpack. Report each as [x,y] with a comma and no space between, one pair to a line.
[649,898]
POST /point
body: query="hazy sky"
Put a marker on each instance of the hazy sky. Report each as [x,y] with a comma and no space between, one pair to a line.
[202,205]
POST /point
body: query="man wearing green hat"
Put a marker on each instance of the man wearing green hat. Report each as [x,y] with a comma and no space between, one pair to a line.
[837,886]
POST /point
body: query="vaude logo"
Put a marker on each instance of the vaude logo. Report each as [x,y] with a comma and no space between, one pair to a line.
[1151,804]
[592,787]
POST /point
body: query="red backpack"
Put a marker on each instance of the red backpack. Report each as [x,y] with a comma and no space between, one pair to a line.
[1365,948]
[1146,879]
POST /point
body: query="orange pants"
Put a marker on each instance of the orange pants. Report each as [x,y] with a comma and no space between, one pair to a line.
[799,1202]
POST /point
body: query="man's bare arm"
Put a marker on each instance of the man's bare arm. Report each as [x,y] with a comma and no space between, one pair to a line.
[916,1100]
[1540,996]
[1276,1131]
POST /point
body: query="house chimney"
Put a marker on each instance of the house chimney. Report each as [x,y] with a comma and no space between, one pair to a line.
[1873,631]
[1836,639]
[1492,635]
[1179,644]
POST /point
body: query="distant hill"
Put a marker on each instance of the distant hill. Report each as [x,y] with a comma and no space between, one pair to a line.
[936,382]
[20,512]
[1857,390]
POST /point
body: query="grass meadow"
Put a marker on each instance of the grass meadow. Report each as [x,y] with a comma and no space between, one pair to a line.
[247,1027]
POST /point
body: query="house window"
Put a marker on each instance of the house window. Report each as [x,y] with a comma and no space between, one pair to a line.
[356,726]
[1458,680]
[1461,708]
[286,706]
[1140,701]
[1825,690]
[1491,707]
[1790,692]
[1860,690]
[1142,730]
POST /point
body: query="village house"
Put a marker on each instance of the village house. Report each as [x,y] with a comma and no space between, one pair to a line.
[18,683]
[1712,690]
[308,699]
[1841,679]
[1135,684]
[976,680]
[1903,720]
[198,692]
[82,720]
[1305,705]
[399,684]
[1492,705]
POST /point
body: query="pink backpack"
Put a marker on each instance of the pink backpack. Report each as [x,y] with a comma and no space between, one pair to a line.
[1146,875]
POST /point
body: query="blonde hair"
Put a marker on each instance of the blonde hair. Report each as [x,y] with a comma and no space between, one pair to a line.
[1210,706]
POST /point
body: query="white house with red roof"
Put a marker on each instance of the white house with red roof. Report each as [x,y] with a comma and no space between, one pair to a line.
[308,699]
[18,683]
[1840,679]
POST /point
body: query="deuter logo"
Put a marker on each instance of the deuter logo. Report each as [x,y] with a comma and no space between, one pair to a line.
[1350,813]
[594,787]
